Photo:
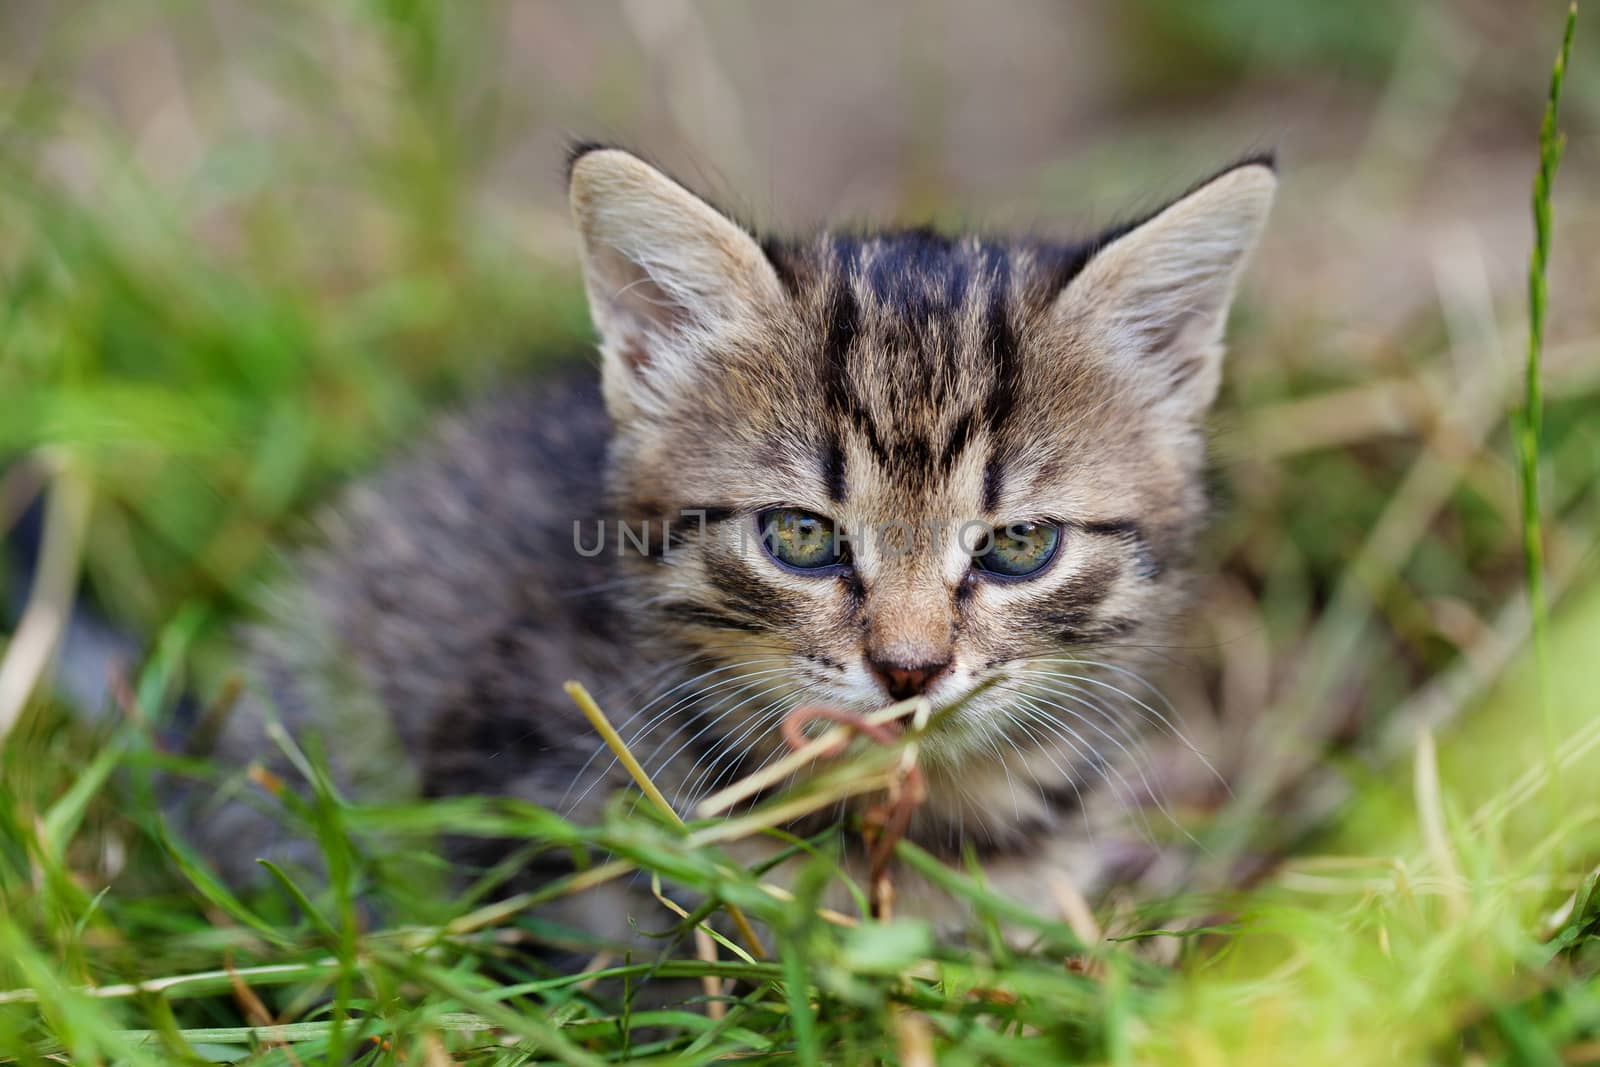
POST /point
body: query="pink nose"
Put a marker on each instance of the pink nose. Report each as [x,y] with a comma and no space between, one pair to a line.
[904,682]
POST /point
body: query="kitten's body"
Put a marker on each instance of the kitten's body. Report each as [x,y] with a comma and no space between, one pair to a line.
[900,379]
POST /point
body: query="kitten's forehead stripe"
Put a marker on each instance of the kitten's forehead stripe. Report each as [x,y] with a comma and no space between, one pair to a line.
[918,353]
[833,470]
[992,485]
[1000,345]
[922,274]
[960,437]
[842,327]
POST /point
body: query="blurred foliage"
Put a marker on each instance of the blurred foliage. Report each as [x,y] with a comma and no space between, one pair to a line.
[217,353]
[1178,47]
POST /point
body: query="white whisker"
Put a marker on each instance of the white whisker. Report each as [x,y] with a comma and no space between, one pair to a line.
[1137,763]
[1150,714]
[656,762]
[1043,747]
[762,720]
[634,739]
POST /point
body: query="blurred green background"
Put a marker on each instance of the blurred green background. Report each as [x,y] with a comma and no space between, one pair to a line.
[246,250]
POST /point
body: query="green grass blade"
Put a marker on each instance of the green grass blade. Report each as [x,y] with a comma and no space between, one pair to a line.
[1530,424]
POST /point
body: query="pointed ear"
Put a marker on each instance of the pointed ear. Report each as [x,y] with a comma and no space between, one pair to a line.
[1156,298]
[667,275]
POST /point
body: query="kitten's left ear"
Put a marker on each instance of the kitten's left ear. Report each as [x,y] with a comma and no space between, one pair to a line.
[1157,297]
[668,277]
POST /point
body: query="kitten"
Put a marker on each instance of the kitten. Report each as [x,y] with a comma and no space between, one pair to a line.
[846,469]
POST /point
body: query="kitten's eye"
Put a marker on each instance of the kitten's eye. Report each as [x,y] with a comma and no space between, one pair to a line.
[1020,549]
[799,538]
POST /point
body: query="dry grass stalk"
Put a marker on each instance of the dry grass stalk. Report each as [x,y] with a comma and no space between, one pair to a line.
[49,606]
[434,1054]
[256,1013]
[829,743]
[914,1038]
[1435,834]
[619,747]
[1074,908]
[705,949]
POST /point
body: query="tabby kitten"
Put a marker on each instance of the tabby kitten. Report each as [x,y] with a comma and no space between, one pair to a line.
[845,469]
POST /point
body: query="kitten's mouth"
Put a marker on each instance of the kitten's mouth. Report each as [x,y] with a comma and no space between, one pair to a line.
[952,703]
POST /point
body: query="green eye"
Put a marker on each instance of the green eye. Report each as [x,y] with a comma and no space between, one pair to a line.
[1020,549]
[798,538]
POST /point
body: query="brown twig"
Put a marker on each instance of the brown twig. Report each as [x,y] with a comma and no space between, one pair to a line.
[256,1013]
[884,824]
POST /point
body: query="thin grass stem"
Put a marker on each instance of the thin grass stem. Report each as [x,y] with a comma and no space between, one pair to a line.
[1530,424]
[597,718]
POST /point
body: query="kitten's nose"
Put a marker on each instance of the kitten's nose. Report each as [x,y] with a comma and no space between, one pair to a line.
[904,682]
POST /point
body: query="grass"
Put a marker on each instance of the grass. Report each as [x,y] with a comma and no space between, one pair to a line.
[1532,416]
[189,373]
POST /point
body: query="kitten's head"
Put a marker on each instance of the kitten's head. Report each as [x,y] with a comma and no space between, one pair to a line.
[924,462]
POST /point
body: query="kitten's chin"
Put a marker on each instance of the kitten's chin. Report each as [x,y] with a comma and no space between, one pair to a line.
[963,728]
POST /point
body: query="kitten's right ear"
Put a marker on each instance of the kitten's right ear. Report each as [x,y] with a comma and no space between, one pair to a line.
[1158,295]
[668,276]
